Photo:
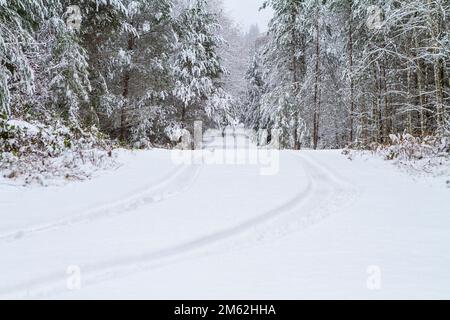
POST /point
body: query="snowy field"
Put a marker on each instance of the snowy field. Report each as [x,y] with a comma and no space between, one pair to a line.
[321,226]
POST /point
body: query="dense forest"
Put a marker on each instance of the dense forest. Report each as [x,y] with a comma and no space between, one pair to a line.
[138,73]
[332,73]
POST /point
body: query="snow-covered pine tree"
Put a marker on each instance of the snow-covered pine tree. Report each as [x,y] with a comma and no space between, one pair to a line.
[42,60]
[285,58]
[67,71]
[142,73]
[197,66]
[102,22]
[255,90]
[18,18]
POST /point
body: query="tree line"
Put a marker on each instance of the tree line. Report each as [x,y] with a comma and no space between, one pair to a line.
[137,70]
[327,74]
[332,73]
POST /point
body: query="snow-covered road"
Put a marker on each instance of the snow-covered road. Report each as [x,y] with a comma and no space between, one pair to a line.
[321,227]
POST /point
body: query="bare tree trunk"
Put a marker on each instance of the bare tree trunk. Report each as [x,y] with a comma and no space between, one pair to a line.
[380,120]
[126,81]
[316,83]
[428,116]
[295,79]
[409,100]
[295,92]
[440,110]
[421,90]
[387,126]
[319,104]
[125,93]
[183,117]
[350,62]
[436,30]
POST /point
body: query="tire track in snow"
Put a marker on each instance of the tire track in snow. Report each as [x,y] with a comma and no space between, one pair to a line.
[333,193]
[318,177]
[166,188]
[335,177]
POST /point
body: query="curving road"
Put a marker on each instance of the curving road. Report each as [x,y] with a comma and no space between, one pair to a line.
[193,213]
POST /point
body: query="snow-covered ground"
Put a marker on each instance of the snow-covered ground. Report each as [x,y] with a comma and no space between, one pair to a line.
[321,226]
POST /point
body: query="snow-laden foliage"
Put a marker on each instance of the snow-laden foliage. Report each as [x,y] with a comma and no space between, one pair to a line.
[196,64]
[283,57]
[131,68]
[255,90]
[67,70]
[353,71]
[17,18]
[408,147]
[36,152]
[139,76]
[418,156]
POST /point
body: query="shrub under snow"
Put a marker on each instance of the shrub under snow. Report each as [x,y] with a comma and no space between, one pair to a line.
[422,155]
[33,152]
[408,147]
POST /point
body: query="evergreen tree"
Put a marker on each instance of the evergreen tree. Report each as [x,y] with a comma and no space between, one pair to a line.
[255,90]
[18,19]
[141,69]
[285,58]
[196,64]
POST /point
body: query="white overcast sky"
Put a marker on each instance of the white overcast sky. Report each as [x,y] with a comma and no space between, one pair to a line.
[246,13]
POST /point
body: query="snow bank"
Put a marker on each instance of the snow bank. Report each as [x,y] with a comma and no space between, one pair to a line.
[419,157]
[33,152]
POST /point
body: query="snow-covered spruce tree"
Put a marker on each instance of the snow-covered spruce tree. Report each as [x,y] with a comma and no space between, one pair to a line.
[68,73]
[60,68]
[197,66]
[102,22]
[39,50]
[43,61]
[255,90]
[285,58]
[18,19]
[141,73]
[46,91]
